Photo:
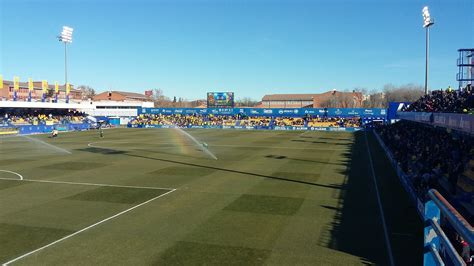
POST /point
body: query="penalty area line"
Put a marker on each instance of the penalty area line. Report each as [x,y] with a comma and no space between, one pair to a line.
[78,183]
[86,228]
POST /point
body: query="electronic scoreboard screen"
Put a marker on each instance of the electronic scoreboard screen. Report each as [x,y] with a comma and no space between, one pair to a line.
[220,99]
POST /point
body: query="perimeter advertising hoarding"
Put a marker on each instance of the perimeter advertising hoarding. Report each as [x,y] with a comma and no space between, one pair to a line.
[286,112]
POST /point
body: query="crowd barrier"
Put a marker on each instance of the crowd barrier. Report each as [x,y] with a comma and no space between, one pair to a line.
[38,129]
[8,131]
[460,122]
[406,182]
[287,112]
[438,248]
[346,129]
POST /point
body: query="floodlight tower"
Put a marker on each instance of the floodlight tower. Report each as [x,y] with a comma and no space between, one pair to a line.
[66,37]
[427,22]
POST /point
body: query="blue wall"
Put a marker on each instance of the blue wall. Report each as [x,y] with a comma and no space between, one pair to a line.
[292,112]
[30,129]
[285,128]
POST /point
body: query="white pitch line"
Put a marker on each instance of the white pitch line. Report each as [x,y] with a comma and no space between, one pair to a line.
[382,215]
[11,172]
[77,183]
[86,228]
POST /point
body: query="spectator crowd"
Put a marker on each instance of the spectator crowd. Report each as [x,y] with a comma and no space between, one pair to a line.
[445,101]
[36,117]
[436,158]
[429,155]
[241,120]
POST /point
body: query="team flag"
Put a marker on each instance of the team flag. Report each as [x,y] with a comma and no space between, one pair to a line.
[56,87]
[1,82]
[44,86]
[30,84]
[16,83]
[68,88]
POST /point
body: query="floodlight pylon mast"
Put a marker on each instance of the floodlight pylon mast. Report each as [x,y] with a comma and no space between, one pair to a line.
[427,22]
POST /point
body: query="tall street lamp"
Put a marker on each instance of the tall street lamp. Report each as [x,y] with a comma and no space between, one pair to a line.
[66,37]
[427,22]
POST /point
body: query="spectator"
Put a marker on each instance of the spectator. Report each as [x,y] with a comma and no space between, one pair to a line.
[449,101]
[428,154]
[241,120]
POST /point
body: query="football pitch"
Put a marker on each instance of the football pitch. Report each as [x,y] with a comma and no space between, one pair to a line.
[153,197]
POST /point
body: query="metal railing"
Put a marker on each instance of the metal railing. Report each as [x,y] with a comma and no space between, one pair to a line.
[436,241]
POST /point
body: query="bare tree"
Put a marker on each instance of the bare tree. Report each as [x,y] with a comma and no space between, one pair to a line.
[346,99]
[246,102]
[404,93]
[331,102]
[391,93]
[87,92]
[160,99]
[374,99]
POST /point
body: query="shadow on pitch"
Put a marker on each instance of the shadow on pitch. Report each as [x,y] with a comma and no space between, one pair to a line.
[347,139]
[356,228]
[112,152]
[321,142]
[282,157]
[236,171]
[102,151]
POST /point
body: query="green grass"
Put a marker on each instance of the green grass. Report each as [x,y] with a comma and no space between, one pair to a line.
[271,198]
[265,204]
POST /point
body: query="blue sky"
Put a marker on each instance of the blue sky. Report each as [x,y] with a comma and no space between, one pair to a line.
[257,47]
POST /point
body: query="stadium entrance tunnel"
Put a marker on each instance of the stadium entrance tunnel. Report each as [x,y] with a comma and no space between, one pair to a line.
[357,226]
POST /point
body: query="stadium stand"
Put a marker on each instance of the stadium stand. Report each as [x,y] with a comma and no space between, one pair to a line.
[242,120]
[254,121]
[20,117]
[436,158]
[289,121]
[445,101]
[431,156]
[334,122]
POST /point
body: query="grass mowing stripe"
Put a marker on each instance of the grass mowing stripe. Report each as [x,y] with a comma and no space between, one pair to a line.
[93,145]
[87,228]
[379,202]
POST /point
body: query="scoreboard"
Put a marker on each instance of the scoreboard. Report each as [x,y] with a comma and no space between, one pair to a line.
[220,99]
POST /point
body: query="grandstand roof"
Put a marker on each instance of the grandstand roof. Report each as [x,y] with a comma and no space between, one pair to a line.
[289,97]
[317,99]
[131,94]
[121,96]
[305,97]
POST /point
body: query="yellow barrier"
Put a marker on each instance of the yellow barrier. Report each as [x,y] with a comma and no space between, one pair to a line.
[13,132]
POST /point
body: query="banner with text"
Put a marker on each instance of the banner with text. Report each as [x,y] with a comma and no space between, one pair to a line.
[281,112]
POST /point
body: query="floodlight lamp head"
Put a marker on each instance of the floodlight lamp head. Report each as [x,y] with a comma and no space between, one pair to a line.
[427,21]
[66,35]
[66,28]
